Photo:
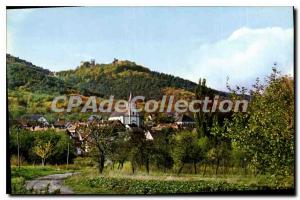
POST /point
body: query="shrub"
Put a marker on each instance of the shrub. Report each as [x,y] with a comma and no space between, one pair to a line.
[18,186]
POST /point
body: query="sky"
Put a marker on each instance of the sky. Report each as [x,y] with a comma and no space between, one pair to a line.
[241,43]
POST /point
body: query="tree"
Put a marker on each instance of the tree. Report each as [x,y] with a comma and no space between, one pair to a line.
[186,150]
[43,150]
[101,137]
[25,140]
[266,131]
[221,144]
[64,149]
[203,119]
[204,145]
[139,149]
[162,148]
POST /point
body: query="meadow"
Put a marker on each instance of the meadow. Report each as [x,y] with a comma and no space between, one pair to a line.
[89,181]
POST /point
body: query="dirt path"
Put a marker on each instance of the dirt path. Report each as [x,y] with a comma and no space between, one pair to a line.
[54,181]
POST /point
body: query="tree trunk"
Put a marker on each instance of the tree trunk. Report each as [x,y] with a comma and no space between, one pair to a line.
[180,169]
[132,167]
[195,167]
[204,172]
[122,163]
[147,165]
[101,163]
[18,149]
[218,163]
[165,165]
[43,162]
[68,154]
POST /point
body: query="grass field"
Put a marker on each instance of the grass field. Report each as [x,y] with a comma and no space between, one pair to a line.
[30,172]
[90,182]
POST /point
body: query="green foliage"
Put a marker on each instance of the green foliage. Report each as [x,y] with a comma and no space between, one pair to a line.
[200,93]
[261,141]
[138,149]
[28,140]
[31,172]
[101,140]
[119,80]
[22,74]
[162,149]
[84,162]
[266,131]
[103,80]
[43,150]
[108,185]
[186,149]
[18,186]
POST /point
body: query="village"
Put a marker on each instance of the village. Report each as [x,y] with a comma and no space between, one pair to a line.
[129,120]
[149,100]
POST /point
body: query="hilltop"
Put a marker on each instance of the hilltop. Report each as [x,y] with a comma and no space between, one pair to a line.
[118,78]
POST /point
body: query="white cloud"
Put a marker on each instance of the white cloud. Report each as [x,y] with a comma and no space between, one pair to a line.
[243,56]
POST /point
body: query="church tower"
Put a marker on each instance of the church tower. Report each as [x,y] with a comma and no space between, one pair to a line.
[133,115]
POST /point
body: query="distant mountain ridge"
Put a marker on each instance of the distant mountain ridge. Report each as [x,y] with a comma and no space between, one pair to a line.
[118,78]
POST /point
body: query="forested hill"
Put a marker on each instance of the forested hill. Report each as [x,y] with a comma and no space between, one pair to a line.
[24,75]
[118,78]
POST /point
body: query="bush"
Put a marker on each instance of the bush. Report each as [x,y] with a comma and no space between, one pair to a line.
[18,186]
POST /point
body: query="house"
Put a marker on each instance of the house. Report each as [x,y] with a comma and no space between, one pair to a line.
[129,116]
[76,137]
[82,139]
[184,120]
[148,135]
[60,123]
[161,126]
[93,118]
[135,128]
[34,121]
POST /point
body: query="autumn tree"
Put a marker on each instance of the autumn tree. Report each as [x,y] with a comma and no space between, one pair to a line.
[43,150]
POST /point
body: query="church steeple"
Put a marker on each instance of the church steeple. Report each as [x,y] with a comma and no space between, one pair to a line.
[129,99]
[129,107]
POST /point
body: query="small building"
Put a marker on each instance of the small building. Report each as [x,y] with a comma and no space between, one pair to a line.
[129,116]
[76,137]
[148,135]
[184,120]
[34,120]
[92,118]
[60,123]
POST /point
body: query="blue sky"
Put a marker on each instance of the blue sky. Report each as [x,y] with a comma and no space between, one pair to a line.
[191,42]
